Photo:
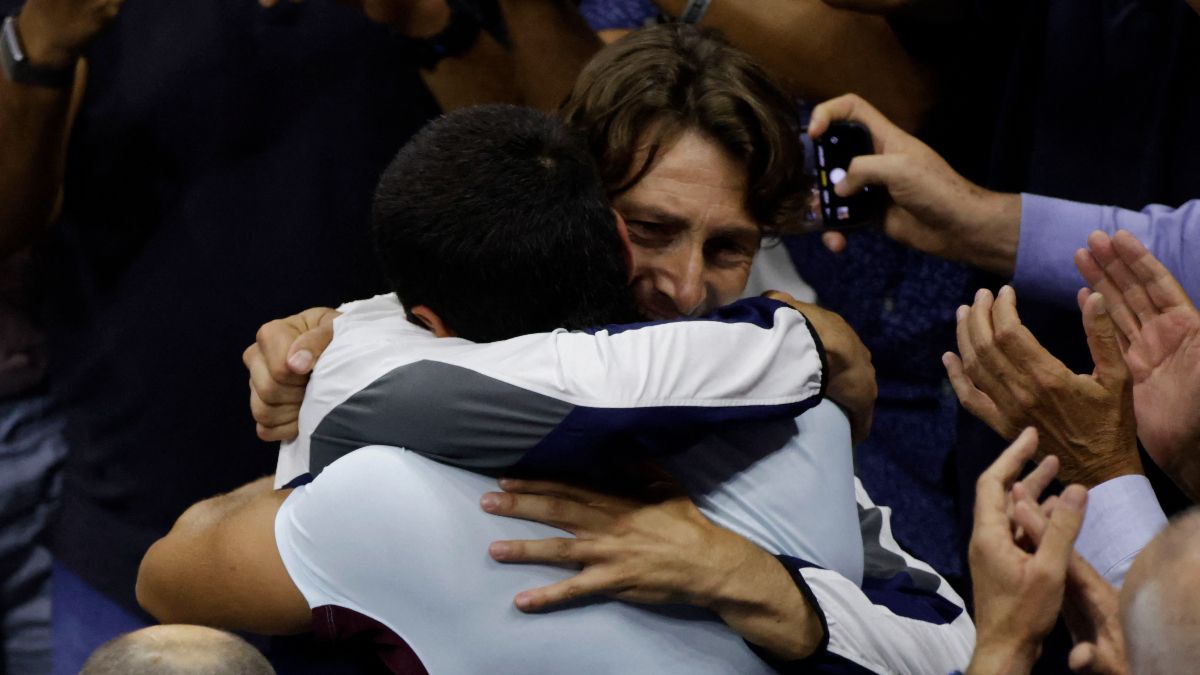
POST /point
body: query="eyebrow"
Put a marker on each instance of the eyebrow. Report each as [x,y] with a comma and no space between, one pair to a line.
[660,215]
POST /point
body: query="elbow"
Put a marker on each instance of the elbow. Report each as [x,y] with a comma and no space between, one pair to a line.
[150,587]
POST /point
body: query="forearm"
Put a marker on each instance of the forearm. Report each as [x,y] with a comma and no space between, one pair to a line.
[34,123]
[803,42]
[551,42]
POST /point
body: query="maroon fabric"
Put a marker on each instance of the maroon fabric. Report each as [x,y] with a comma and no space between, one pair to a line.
[22,351]
[334,623]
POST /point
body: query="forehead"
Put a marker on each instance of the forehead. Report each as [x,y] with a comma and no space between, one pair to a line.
[694,179]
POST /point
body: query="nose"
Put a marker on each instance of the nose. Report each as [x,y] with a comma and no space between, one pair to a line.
[682,280]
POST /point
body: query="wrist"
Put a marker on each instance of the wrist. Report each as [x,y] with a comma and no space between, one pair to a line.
[759,600]
[1115,466]
[43,49]
[997,221]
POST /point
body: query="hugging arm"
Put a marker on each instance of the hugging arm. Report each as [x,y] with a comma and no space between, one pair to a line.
[555,400]
[219,566]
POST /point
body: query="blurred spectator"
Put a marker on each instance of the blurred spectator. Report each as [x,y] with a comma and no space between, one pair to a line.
[177,650]
[217,148]
[1159,606]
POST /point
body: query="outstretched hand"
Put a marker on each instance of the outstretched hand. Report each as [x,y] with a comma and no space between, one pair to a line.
[1159,328]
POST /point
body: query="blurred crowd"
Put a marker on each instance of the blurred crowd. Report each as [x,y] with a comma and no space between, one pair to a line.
[554,365]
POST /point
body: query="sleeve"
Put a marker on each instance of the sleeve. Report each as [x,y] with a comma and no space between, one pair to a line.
[554,401]
[1123,515]
[1053,229]
[904,619]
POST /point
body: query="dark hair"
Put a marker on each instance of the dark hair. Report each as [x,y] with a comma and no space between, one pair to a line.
[165,650]
[495,218]
[643,90]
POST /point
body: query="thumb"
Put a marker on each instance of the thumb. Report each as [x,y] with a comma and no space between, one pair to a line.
[1103,341]
[869,170]
[307,348]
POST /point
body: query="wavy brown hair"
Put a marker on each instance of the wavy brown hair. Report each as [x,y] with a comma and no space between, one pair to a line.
[645,89]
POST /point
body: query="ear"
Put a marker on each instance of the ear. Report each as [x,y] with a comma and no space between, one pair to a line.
[623,233]
[432,321]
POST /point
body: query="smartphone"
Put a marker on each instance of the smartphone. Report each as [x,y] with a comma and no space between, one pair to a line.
[842,142]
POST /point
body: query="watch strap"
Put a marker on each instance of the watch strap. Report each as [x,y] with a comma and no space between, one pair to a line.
[16,66]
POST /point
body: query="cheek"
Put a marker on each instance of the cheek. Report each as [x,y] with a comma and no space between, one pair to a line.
[727,286]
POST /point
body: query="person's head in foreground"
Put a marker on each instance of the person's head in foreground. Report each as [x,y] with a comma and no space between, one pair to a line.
[492,222]
[700,152]
[177,650]
[1160,601]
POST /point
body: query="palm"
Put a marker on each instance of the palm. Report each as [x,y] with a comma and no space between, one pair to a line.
[1164,360]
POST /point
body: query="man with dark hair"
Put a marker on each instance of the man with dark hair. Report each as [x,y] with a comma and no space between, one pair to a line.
[177,650]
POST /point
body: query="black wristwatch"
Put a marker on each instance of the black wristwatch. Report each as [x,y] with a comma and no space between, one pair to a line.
[467,19]
[17,67]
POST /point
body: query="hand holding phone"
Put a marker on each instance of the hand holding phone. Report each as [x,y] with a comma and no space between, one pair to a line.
[835,149]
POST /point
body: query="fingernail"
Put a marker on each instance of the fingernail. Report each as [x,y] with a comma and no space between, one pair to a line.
[490,502]
[523,601]
[1073,497]
[507,483]
[499,550]
[961,312]
[301,361]
[981,294]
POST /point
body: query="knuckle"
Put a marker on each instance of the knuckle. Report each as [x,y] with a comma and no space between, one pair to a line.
[564,549]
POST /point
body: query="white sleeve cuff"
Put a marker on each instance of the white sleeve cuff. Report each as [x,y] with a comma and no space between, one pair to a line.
[1123,515]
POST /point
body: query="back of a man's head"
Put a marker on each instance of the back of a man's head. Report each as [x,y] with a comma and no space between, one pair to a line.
[495,218]
[177,650]
[1160,601]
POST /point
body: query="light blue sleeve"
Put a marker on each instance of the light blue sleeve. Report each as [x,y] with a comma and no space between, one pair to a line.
[1053,229]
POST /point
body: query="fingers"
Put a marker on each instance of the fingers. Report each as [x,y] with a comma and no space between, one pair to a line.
[978,403]
[1082,658]
[1012,337]
[591,581]
[992,488]
[565,514]
[269,390]
[834,241]
[556,489]
[312,342]
[1103,342]
[283,432]
[1124,317]
[274,340]
[557,550]
[852,108]
[1162,287]
[1133,292]
[1058,539]
[1036,482]
[982,361]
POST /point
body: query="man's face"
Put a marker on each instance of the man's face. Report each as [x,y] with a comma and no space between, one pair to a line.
[691,239]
